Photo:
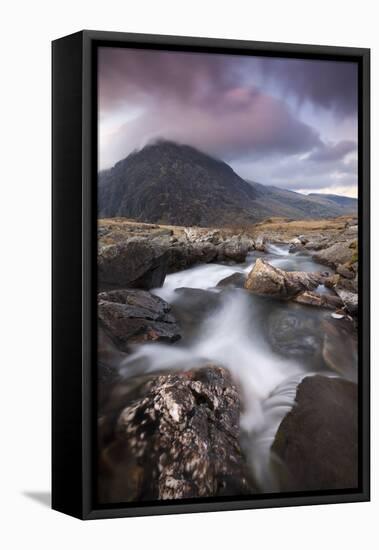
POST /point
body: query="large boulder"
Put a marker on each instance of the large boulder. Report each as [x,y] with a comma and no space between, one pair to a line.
[317,441]
[133,316]
[338,253]
[265,279]
[135,263]
[178,439]
[233,249]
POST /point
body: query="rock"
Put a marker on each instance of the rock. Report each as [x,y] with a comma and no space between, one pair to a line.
[136,263]
[317,242]
[135,316]
[317,441]
[294,333]
[179,439]
[340,347]
[265,279]
[259,244]
[345,271]
[311,298]
[293,248]
[296,241]
[202,253]
[192,306]
[337,253]
[236,280]
[196,235]
[350,299]
[234,249]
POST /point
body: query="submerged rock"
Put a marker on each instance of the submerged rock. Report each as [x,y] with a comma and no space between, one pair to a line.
[317,441]
[179,439]
[136,316]
[265,279]
[236,280]
[136,263]
[340,347]
[294,334]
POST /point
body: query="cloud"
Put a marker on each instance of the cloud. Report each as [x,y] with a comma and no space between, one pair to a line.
[261,126]
[247,111]
[333,151]
[327,84]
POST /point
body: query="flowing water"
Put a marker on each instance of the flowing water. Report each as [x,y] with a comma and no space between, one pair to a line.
[267,345]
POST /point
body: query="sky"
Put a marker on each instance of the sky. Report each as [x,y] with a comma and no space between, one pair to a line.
[291,123]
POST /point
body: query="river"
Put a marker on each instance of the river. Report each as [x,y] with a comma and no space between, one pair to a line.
[268,345]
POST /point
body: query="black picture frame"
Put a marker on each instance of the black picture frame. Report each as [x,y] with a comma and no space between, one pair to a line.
[74,173]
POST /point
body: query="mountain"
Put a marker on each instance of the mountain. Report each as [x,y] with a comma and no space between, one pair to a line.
[176,184]
[348,203]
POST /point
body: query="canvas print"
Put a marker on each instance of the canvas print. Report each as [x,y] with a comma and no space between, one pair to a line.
[227,278]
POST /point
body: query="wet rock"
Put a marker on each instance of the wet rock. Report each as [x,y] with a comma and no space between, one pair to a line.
[317,441]
[340,347]
[179,439]
[136,263]
[265,279]
[337,253]
[294,334]
[136,316]
[192,306]
[236,280]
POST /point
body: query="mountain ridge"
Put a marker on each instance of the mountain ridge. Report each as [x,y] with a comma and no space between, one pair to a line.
[166,182]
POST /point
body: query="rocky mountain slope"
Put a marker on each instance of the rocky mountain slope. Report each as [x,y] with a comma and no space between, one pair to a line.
[176,184]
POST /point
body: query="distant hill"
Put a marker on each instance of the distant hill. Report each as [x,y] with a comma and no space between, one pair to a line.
[347,203]
[176,184]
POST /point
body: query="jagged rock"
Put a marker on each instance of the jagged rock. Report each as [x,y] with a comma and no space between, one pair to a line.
[350,299]
[136,263]
[337,253]
[236,280]
[135,316]
[317,441]
[311,298]
[265,279]
[179,439]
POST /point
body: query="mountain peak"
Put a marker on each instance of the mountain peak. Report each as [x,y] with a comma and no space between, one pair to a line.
[176,184]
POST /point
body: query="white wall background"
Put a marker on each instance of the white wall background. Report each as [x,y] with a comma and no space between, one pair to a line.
[27,29]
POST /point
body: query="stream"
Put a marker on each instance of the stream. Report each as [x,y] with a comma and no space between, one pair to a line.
[268,345]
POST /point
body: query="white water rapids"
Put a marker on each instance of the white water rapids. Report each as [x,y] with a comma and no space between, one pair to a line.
[233,335]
